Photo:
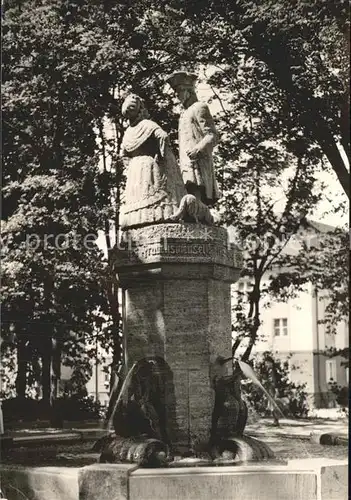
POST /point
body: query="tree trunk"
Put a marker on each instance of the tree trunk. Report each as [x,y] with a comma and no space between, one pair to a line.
[46,373]
[56,368]
[55,418]
[21,378]
[47,345]
[255,314]
[331,151]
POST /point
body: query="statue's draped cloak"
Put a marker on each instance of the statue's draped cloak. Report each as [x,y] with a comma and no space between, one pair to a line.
[154,185]
[135,136]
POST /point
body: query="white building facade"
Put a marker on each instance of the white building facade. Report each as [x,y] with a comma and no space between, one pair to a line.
[295,330]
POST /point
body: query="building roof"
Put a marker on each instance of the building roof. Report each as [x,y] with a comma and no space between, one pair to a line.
[319,226]
[310,233]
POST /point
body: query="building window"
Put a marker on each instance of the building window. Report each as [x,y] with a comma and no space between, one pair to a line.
[280,327]
[330,370]
[107,377]
[244,286]
[347,374]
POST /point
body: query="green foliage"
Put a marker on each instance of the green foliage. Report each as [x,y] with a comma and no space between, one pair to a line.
[290,397]
[81,374]
[67,66]
[67,408]
[344,352]
[77,408]
[24,409]
[53,194]
[342,394]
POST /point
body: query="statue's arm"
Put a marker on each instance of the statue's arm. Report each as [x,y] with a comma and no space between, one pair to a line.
[162,139]
[124,156]
[207,126]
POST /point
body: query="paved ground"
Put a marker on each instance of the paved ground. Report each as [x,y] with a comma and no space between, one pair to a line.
[262,427]
[298,428]
[289,441]
[327,413]
[292,439]
[52,434]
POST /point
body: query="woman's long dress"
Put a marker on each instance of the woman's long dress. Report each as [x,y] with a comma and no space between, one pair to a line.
[154,185]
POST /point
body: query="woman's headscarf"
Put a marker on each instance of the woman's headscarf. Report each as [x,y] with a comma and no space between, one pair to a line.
[135,104]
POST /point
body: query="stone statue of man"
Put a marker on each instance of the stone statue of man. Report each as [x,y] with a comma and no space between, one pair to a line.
[197,138]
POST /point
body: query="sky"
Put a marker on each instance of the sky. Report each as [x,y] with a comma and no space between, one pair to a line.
[334,192]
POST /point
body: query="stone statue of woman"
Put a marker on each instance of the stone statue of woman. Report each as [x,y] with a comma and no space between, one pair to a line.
[154,184]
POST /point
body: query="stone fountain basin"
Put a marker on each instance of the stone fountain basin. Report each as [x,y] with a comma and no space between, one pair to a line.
[69,471]
[306,479]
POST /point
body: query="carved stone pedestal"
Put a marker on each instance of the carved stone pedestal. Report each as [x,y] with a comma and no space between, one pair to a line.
[176,283]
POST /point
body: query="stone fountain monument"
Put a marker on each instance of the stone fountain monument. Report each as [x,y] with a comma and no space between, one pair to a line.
[175,267]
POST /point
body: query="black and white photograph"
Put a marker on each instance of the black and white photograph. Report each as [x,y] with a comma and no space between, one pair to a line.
[175,250]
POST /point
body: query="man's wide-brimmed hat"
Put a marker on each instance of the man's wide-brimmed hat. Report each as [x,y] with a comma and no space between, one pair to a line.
[181,78]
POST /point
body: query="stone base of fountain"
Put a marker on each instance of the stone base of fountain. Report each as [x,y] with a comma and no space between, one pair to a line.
[312,479]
